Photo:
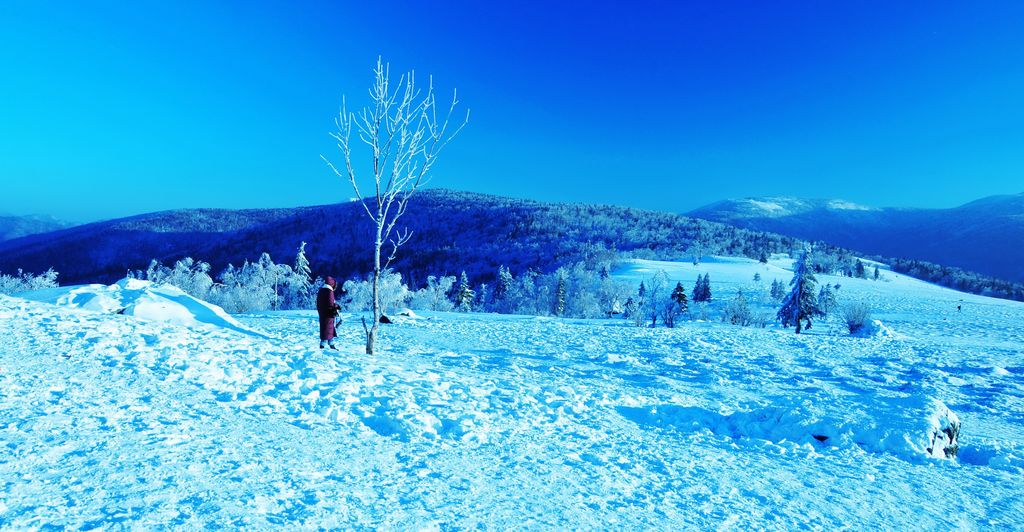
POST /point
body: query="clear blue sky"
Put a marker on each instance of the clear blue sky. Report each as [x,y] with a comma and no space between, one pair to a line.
[114,108]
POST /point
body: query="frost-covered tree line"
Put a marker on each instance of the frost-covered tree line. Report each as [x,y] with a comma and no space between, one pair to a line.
[25,282]
[575,291]
[253,286]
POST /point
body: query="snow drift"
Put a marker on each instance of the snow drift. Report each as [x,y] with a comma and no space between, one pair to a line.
[912,428]
[141,299]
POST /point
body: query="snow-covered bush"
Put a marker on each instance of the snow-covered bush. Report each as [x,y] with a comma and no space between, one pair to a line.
[657,297]
[393,293]
[737,311]
[435,295]
[193,277]
[24,282]
[856,316]
[247,289]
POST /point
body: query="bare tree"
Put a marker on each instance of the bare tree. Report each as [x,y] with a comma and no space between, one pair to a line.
[405,136]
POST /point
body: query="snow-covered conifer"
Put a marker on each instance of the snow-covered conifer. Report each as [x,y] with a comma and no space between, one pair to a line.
[560,295]
[465,295]
[826,300]
[801,304]
[300,284]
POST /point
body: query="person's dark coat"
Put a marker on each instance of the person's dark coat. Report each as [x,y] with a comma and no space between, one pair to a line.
[327,309]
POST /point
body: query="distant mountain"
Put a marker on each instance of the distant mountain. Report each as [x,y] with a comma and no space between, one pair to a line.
[453,231]
[12,227]
[985,236]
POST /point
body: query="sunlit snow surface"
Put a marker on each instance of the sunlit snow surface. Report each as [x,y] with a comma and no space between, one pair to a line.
[466,420]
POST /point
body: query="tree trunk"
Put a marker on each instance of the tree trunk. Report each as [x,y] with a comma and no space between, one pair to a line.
[798,326]
[371,335]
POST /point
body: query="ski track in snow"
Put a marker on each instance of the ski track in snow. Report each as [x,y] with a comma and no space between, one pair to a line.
[499,421]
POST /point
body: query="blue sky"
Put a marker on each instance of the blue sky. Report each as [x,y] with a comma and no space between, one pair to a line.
[110,109]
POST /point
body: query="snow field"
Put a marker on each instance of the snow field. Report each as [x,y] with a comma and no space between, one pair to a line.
[503,421]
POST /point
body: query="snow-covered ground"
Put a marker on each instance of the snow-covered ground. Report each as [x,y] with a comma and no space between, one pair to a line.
[466,420]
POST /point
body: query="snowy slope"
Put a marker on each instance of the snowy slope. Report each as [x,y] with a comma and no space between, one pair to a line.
[467,420]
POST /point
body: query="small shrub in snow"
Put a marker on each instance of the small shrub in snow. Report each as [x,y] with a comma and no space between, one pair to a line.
[25,282]
[762,318]
[856,316]
[435,295]
[699,311]
[737,311]
[391,291]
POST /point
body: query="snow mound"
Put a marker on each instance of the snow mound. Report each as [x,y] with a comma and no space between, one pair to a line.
[143,300]
[879,330]
[911,428]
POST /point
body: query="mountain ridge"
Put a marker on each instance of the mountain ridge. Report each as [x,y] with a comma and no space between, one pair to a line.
[972,236]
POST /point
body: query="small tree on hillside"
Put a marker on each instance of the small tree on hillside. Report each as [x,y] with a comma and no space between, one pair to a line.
[559,308]
[800,305]
[657,296]
[678,306]
[858,270]
[502,289]
[826,300]
[405,134]
[301,283]
[465,295]
[737,311]
[639,314]
[778,290]
[702,289]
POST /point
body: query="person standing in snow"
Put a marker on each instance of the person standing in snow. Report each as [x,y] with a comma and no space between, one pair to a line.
[327,309]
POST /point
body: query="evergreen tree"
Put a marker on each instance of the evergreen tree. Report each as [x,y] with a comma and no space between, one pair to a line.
[859,270]
[778,290]
[465,295]
[764,258]
[800,304]
[826,300]
[679,297]
[705,289]
[483,294]
[641,305]
[629,309]
[301,283]
[876,273]
[757,277]
[676,307]
[504,285]
[560,295]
